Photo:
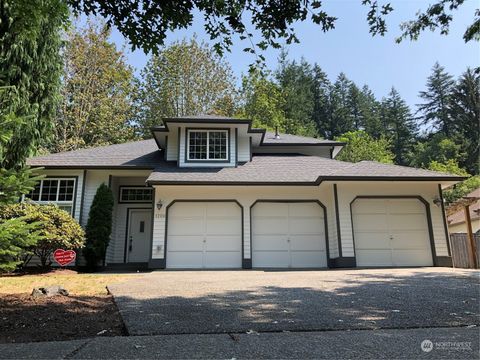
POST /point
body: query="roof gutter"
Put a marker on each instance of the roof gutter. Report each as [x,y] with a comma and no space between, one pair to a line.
[305,183]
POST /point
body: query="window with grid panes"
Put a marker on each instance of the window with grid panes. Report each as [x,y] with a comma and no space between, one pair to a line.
[59,191]
[207,145]
[136,194]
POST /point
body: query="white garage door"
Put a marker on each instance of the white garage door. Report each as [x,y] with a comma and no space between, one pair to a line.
[391,232]
[204,235]
[288,235]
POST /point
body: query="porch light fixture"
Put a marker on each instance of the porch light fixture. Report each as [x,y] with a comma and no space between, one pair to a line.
[159,204]
[437,201]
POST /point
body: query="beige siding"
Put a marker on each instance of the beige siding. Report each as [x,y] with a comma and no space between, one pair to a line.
[172,146]
[243,148]
[347,191]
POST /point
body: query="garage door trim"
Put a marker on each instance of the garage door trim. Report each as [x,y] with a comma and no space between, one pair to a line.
[200,201]
[291,201]
[418,197]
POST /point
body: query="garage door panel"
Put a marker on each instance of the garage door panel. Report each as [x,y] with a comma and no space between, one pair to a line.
[370,222]
[222,259]
[223,243]
[371,240]
[370,206]
[185,226]
[190,209]
[223,226]
[307,243]
[373,257]
[413,221]
[273,224]
[412,258]
[306,225]
[184,243]
[271,259]
[398,237]
[222,209]
[310,209]
[308,259]
[269,225]
[272,209]
[204,235]
[184,260]
[408,240]
[270,243]
[406,206]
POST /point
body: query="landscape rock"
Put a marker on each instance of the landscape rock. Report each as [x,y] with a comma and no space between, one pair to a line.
[49,291]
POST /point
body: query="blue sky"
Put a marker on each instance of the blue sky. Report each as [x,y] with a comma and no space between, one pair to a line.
[376,61]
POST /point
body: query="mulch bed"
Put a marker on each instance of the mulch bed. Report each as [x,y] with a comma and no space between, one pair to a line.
[27,319]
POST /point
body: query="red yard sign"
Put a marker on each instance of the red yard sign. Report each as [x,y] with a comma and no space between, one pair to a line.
[64,257]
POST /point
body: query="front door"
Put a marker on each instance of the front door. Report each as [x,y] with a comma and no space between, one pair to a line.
[139,233]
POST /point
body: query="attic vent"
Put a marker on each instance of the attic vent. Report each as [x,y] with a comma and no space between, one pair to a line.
[277,136]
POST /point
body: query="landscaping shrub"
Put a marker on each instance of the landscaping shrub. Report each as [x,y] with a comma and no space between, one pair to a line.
[17,238]
[58,228]
[99,227]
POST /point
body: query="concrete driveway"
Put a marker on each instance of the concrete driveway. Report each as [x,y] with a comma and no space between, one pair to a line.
[207,302]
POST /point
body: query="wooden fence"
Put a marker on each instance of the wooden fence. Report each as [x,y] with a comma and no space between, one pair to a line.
[459,244]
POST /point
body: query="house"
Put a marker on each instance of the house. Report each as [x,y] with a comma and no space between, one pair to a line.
[214,192]
[456,221]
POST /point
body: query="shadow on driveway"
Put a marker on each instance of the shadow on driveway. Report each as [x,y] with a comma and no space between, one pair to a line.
[254,301]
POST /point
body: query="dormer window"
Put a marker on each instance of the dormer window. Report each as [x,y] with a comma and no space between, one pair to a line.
[207,145]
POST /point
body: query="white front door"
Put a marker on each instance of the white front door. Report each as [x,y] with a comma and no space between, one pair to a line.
[204,235]
[139,234]
[391,232]
[288,235]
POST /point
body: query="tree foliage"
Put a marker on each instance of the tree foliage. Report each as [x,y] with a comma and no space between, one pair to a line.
[438,148]
[147,23]
[30,65]
[437,99]
[263,101]
[185,78]
[17,238]
[16,235]
[361,146]
[58,229]
[400,126]
[97,92]
[99,227]
[465,109]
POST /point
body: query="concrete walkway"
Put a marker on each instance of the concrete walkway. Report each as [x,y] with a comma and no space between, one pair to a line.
[447,343]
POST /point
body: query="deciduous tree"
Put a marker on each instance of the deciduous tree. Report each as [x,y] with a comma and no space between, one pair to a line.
[361,146]
[97,92]
[185,78]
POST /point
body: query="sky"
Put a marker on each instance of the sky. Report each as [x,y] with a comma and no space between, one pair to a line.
[377,61]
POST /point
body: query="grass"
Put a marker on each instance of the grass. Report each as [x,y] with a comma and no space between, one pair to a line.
[76,284]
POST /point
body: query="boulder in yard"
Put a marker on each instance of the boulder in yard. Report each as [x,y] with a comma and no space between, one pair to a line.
[49,291]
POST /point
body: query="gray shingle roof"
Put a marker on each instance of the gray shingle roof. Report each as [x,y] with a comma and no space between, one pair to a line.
[268,169]
[138,154]
[298,169]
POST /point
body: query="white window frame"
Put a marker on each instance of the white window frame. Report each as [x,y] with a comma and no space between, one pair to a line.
[120,199]
[70,203]
[208,131]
